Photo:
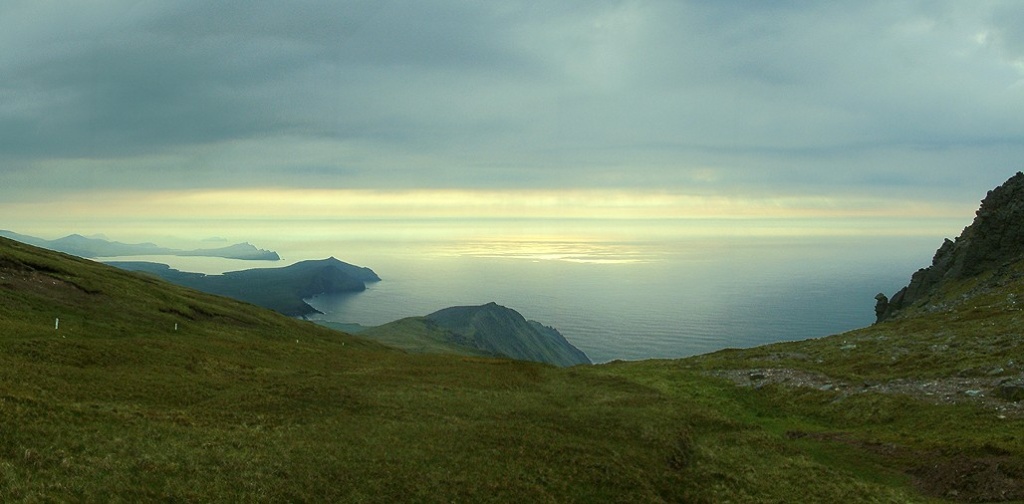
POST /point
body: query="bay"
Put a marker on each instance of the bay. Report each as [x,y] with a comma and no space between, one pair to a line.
[623,300]
[654,300]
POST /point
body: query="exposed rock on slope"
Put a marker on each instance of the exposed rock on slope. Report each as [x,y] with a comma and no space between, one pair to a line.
[994,239]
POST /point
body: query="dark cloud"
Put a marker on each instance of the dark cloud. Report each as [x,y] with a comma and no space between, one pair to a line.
[1008,30]
[695,95]
[200,74]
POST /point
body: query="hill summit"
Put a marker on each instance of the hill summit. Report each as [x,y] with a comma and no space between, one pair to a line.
[993,241]
[489,329]
[504,331]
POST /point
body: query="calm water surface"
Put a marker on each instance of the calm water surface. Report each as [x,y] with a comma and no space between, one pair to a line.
[669,302]
[623,300]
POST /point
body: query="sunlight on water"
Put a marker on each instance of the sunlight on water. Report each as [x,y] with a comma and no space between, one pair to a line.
[644,300]
[585,252]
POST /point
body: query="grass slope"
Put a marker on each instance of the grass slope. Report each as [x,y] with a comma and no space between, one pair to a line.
[925,390]
[419,335]
[241,404]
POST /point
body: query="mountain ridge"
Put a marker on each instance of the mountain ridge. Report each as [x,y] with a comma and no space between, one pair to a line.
[92,247]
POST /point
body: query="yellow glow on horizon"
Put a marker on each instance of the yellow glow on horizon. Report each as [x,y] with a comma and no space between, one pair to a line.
[520,215]
[497,204]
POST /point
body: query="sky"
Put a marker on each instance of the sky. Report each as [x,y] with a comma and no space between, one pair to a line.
[805,116]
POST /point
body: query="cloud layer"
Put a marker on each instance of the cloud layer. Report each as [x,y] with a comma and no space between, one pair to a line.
[697,97]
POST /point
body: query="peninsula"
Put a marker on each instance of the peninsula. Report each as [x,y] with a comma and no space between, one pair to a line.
[490,329]
[279,289]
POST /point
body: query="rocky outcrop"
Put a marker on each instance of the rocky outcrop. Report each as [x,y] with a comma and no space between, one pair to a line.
[1011,390]
[994,239]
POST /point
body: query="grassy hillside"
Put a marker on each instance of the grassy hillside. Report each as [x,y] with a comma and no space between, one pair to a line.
[241,404]
[419,335]
[937,391]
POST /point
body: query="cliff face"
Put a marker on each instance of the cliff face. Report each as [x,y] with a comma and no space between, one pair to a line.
[994,239]
[489,330]
[499,330]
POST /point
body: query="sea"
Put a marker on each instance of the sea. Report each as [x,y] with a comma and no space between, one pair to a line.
[623,300]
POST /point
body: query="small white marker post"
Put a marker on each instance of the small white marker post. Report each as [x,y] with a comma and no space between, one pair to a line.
[56,324]
[175,326]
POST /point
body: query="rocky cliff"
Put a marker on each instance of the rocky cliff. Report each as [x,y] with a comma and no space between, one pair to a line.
[993,240]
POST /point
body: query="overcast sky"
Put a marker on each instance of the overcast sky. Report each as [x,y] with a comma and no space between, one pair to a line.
[888,99]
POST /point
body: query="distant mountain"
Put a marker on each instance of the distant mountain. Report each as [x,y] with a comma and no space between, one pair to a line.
[489,329]
[993,241]
[280,289]
[82,246]
[246,251]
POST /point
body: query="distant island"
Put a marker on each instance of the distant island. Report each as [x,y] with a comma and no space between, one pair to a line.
[82,246]
[279,289]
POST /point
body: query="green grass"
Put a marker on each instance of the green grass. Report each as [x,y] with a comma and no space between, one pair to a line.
[418,335]
[241,404]
[977,332]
